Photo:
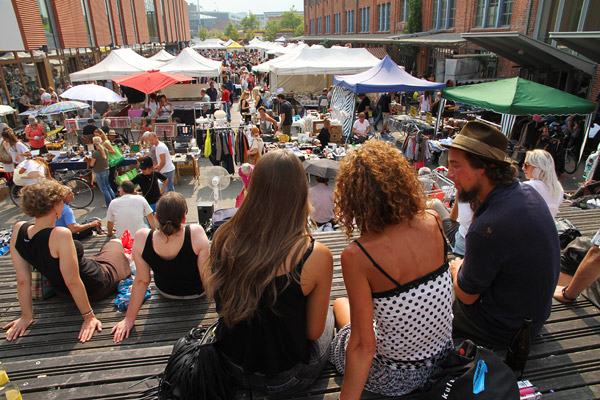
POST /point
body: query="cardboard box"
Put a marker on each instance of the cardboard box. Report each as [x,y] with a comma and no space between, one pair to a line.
[335,138]
[335,129]
[4,192]
[317,125]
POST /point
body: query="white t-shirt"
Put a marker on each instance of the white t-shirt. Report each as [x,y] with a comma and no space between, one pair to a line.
[152,106]
[361,127]
[162,148]
[46,97]
[465,217]
[552,201]
[321,200]
[19,148]
[128,212]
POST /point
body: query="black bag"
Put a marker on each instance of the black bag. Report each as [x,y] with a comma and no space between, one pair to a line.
[573,254]
[196,370]
[473,372]
[567,232]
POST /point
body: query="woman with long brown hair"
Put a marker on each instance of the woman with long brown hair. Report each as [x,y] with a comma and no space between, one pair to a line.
[271,283]
[13,146]
[396,274]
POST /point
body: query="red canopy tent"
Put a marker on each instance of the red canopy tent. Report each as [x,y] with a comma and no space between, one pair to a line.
[151,81]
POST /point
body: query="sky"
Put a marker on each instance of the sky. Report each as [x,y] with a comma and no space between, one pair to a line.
[254,6]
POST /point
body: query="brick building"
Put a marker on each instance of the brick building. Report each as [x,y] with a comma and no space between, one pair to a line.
[49,39]
[473,40]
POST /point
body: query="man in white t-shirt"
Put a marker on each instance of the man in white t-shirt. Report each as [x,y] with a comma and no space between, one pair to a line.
[321,200]
[361,127]
[128,212]
[164,163]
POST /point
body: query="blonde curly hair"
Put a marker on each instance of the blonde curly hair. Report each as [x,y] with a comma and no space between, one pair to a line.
[376,187]
[39,198]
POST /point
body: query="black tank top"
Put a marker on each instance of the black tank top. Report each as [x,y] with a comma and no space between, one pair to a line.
[36,252]
[272,340]
[178,276]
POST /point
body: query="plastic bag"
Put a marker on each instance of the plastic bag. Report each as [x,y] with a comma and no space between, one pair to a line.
[124,294]
[127,242]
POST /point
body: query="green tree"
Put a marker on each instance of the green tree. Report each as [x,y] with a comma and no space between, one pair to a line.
[217,34]
[249,35]
[250,23]
[271,30]
[299,31]
[414,22]
[231,32]
[291,19]
[203,33]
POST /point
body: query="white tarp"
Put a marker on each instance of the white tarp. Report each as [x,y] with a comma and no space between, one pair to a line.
[210,44]
[192,64]
[265,67]
[162,56]
[316,61]
[119,63]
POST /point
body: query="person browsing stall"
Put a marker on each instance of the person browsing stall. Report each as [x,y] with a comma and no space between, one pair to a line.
[361,127]
[285,115]
[266,122]
[226,100]
[164,163]
[512,257]
[35,132]
[53,252]
[17,150]
[99,164]
[174,253]
[256,148]
[128,212]
[148,181]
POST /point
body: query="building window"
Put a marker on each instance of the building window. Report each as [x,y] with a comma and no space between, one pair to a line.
[493,13]
[85,8]
[327,24]
[48,24]
[151,19]
[319,26]
[338,23]
[350,21]
[312,26]
[442,14]
[364,19]
[384,17]
[403,10]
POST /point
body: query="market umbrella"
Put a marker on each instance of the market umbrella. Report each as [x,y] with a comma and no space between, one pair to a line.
[151,81]
[323,167]
[63,106]
[92,92]
[4,110]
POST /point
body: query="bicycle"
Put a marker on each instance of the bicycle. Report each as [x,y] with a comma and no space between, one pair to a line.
[82,190]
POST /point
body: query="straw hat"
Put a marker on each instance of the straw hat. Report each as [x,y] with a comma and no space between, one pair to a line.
[482,140]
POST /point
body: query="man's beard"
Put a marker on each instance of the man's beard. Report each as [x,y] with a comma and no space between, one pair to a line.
[469,196]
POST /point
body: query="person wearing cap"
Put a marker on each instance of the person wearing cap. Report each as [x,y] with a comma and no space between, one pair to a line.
[148,182]
[35,132]
[512,253]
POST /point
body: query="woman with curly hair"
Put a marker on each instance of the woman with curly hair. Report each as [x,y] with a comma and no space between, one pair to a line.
[271,283]
[53,252]
[396,275]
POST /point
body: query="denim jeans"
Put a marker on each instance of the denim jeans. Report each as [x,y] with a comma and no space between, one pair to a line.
[228,110]
[459,244]
[171,182]
[102,179]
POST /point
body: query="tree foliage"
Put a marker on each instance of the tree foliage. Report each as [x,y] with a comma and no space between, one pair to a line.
[291,19]
[249,35]
[231,32]
[203,33]
[271,30]
[299,31]
[250,23]
[414,22]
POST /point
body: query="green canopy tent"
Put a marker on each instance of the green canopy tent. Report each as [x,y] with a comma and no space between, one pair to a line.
[517,96]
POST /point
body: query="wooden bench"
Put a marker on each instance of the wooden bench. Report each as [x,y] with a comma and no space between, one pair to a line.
[50,363]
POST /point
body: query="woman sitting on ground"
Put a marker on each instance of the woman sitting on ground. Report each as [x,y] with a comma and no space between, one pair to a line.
[271,283]
[399,297]
[53,252]
[35,170]
[539,169]
[175,255]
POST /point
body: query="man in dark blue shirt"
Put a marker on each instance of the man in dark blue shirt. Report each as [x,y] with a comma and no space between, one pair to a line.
[512,254]
[285,115]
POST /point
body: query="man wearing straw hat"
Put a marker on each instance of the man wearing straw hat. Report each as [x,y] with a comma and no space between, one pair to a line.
[512,255]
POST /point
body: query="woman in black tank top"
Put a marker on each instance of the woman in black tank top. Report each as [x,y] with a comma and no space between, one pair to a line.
[174,253]
[52,251]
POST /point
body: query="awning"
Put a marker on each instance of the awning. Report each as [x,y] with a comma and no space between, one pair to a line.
[378,52]
[585,43]
[528,52]
[442,39]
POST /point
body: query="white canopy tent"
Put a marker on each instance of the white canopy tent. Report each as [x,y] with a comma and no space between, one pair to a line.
[256,44]
[192,64]
[310,69]
[265,67]
[210,44]
[162,56]
[119,63]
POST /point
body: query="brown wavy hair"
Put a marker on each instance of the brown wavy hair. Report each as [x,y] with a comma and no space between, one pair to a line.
[269,229]
[170,212]
[40,197]
[376,187]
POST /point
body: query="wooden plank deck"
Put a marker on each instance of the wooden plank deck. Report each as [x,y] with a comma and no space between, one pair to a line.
[49,362]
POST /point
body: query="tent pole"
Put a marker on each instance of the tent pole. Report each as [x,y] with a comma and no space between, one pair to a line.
[439,116]
[588,123]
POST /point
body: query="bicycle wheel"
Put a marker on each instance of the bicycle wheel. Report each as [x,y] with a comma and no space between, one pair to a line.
[570,162]
[82,191]
[15,194]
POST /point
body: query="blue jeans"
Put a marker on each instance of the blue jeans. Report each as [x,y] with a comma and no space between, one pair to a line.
[228,110]
[171,182]
[102,179]
[459,244]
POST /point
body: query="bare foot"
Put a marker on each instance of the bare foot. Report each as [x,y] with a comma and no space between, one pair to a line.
[104,206]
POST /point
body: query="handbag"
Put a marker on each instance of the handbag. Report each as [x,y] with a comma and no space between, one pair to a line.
[5,157]
[41,288]
[117,158]
[473,372]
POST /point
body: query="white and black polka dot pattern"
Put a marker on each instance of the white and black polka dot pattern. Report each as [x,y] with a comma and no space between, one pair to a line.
[413,327]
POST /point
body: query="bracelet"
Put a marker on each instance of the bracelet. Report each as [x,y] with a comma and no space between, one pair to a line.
[87,313]
[564,293]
